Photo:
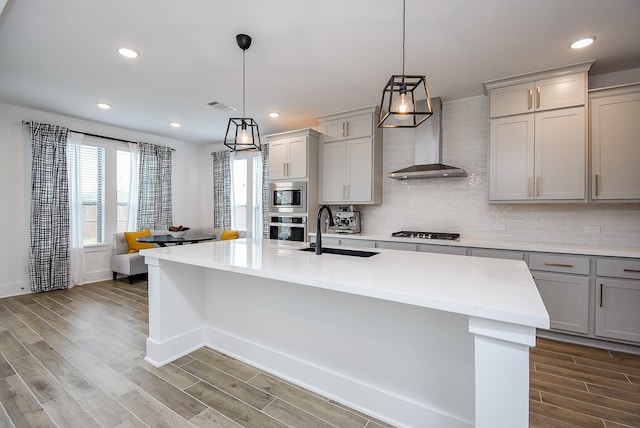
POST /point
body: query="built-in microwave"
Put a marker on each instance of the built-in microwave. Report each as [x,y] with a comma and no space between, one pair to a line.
[288,197]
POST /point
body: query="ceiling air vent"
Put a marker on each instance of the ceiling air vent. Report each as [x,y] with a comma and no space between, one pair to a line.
[220,106]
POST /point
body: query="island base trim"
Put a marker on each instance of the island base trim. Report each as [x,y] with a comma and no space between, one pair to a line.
[163,352]
[388,407]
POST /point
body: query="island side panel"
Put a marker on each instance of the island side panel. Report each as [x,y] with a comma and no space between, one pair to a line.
[409,365]
[176,310]
[502,372]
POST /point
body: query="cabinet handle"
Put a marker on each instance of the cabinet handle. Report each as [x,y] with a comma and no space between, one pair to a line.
[284,169]
[347,129]
[538,186]
[530,190]
[559,265]
[288,169]
[348,192]
[344,129]
[632,270]
[601,295]
[530,105]
[344,192]
[538,97]
[596,184]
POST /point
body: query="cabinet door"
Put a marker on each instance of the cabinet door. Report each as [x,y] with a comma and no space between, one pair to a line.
[566,298]
[511,155]
[334,130]
[359,170]
[617,314]
[277,159]
[297,162]
[560,154]
[615,146]
[359,126]
[334,166]
[561,92]
[510,100]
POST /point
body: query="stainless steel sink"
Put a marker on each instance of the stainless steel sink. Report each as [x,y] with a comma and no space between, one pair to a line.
[343,252]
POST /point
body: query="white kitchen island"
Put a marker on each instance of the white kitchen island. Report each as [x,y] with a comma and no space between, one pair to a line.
[416,339]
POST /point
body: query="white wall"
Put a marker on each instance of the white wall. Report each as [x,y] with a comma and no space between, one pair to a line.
[460,204]
[188,205]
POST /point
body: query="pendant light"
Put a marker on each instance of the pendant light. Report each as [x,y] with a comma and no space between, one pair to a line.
[405,100]
[242,132]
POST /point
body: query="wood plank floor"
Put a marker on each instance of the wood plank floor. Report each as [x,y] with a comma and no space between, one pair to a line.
[74,358]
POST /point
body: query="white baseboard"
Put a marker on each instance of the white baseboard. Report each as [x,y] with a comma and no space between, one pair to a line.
[14,289]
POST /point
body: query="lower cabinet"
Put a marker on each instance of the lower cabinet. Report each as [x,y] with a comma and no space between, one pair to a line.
[442,249]
[563,282]
[566,298]
[618,309]
[618,299]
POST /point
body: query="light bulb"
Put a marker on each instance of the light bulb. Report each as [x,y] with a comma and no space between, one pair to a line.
[403,106]
[245,137]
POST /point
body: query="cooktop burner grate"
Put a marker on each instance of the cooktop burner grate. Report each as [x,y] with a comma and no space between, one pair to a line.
[426,235]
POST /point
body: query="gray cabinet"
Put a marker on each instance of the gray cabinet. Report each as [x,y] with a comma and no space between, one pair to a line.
[565,294]
[615,144]
[618,299]
[538,136]
[350,158]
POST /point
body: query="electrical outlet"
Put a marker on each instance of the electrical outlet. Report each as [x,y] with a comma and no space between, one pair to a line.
[592,229]
[499,227]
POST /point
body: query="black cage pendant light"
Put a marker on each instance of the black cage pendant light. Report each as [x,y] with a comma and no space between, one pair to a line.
[242,132]
[405,100]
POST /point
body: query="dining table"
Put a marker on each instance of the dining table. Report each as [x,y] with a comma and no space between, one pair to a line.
[163,240]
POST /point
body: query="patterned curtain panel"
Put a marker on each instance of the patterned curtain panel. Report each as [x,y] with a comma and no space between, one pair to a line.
[155,210]
[221,189]
[49,224]
[264,154]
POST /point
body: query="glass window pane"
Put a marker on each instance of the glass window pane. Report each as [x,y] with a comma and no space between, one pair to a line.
[123,182]
[239,194]
[92,185]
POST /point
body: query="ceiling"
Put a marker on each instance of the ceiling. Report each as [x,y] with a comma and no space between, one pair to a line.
[308,58]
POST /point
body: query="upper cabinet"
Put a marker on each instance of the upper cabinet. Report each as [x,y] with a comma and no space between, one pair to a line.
[615,143]
[350,154]
[292,155]
[538,136]
[348,127]
[545,94]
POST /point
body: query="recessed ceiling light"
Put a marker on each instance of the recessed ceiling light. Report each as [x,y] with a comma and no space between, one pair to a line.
[104,106]
[583,43]
[128,53]
[274,114]
[175,124]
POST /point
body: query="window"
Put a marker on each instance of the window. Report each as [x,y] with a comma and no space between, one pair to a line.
[91,171]
[246,193]
[123,184]
[104,180]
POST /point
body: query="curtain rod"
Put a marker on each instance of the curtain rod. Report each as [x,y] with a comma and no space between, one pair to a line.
[24,122]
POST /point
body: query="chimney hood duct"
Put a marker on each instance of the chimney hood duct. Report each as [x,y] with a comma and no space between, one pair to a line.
[428,151]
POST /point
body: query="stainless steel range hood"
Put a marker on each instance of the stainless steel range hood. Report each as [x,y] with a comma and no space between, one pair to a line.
[428,151]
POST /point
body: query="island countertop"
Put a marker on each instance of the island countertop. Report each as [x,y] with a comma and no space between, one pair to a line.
[501,290]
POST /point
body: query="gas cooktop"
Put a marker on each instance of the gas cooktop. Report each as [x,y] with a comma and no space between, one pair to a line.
[426,235]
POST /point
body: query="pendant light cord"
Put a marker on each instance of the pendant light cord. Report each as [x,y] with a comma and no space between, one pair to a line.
[243,79]
[403,32]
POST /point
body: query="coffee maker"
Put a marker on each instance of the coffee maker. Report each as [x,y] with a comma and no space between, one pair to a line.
[346,221]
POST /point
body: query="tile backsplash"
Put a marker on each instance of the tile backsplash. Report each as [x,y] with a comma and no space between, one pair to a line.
[460,204]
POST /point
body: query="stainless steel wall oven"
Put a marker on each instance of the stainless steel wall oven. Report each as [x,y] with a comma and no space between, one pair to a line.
[288,228]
